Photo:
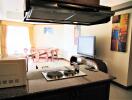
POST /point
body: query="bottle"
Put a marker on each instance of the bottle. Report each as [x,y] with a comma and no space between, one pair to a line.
[76,67]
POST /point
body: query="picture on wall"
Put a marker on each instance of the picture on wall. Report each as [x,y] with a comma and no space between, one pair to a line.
[119,32]
[48,30]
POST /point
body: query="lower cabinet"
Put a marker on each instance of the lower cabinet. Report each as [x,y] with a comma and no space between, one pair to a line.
[64,94]
[94,91]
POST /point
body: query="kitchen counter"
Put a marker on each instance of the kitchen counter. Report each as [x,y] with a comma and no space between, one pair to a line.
[39,88]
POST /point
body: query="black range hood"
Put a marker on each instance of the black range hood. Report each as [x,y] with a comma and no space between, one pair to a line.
[48,11]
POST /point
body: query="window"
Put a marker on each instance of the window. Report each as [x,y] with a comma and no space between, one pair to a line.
[17,39]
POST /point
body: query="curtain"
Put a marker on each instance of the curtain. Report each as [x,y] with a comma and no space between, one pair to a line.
[3,34]
[18,40]
[0,37]
[31,36]
[3,41]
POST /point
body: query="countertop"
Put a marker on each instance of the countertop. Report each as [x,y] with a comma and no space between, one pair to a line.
[38,84]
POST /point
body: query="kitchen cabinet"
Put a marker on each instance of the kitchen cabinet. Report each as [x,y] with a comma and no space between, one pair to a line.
[93,91]
[93,86]
[85,2]
[64,94]
[97,91]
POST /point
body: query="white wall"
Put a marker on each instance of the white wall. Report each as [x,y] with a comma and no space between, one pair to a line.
[118,62]
[1,9]
[130,56]
[12,9]
[62,38]
[112,2]
[44,40]
[69,46]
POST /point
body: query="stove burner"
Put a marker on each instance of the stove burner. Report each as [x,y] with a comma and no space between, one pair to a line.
[54,75]
[69,72]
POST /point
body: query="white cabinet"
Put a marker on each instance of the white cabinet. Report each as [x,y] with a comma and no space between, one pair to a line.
[12,9]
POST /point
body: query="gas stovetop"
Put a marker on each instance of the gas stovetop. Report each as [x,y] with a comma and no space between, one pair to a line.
[64,74]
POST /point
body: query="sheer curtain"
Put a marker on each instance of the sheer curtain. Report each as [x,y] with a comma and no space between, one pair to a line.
[17,39]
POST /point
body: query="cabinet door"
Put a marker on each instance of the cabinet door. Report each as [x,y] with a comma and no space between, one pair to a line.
[85,2]
[61,94]
[93,92]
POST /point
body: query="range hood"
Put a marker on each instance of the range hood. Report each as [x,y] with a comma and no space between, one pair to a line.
[48,11]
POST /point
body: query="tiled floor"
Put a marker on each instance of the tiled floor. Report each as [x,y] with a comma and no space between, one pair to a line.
[119,93]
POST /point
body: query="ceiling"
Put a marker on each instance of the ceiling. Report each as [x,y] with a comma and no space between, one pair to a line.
[112,3]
